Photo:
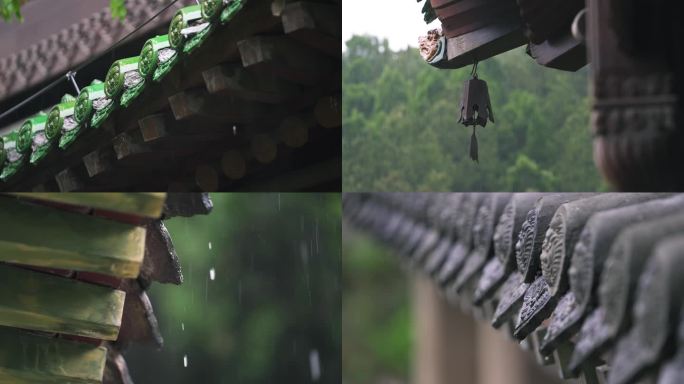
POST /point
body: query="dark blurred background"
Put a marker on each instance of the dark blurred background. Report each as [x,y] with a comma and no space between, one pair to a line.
[271,313]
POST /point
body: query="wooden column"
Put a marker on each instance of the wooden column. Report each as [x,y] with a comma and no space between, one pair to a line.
[500,359]
[451,347]
[445,339]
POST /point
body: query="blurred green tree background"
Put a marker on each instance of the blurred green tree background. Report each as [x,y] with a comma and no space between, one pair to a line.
[376,314]
[11,9]
[401,131]
[272,312]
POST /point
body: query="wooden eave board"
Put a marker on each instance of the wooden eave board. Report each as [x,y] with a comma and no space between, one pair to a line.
[27,359]
[36,235]
[145,204]
[45,302]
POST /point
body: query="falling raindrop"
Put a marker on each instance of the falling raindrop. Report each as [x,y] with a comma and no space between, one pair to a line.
[210,245]
[212,273]
[185,361]
[317,251]
[304,252]
[234,130]
[314,365]
[279,202]
[182,326]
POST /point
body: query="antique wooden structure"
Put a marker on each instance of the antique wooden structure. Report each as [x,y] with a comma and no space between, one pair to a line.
[597,287]
[635,50]
[241,95]
[636,117]
[476,30]
[75,269]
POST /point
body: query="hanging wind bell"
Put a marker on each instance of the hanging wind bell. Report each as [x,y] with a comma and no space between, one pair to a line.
[475,107]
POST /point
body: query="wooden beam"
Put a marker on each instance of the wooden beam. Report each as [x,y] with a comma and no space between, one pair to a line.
[135,156]
[212,109]
[69,240]
[145,169]
[70,180]
[286,58]
[315,24]
[254,19]
[129,144]
[163,132]
[277,7]
[234,80]
[100,161]
[24,359]
[145,204]
[44,302]
[560,52]
[153,127]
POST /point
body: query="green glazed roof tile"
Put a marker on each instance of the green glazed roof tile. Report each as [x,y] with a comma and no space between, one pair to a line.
[24,139]
[188,29]
[3,154]
[211,9]
[116,76]
[101,115]
[60,118]
[231,10]
[157,57]
[84,103]
[15,158]
[95,105]
[124,82]
[40,143]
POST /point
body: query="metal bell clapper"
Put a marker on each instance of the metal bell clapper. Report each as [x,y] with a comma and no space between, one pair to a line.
[476,107]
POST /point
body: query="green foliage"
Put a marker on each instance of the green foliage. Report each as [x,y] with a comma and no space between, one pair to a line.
[401,131]
[11,9]
[377,322]
[525,175]
[118,9]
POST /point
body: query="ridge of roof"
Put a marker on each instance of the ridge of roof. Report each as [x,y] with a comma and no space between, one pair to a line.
[272,73]
[189,28]
[57,53]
